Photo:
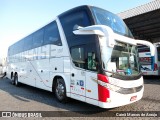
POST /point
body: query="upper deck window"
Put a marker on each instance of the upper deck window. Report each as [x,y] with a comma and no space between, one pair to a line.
[68,21]
[51,35]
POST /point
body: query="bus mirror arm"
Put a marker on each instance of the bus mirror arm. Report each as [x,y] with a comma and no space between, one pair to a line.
[100,30]
[90,30]
[149,44]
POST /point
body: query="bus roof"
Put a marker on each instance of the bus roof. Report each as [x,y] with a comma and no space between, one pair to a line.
[77,9]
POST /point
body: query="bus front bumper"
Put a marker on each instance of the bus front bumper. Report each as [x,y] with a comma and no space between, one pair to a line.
[117,99]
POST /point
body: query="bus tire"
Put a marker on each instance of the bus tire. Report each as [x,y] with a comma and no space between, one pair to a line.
[60,90]
[16,80]
[12,79]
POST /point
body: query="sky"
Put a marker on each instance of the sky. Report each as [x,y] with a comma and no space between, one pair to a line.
[19,18]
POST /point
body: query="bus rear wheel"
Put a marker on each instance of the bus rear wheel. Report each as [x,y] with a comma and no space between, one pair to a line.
[16,80]
[60,90]
[12,79]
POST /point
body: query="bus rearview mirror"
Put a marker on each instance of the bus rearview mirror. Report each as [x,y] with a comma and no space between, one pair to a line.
[77,27]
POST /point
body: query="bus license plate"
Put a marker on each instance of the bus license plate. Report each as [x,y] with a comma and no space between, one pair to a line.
[144,73]
[133,98]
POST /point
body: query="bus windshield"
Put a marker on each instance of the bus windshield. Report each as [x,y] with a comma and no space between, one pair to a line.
[103,17]
[124,59]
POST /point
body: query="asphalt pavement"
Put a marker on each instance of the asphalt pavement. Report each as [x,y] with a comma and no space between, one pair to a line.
[24,99]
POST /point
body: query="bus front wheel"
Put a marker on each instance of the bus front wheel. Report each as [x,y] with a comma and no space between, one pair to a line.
[60,90]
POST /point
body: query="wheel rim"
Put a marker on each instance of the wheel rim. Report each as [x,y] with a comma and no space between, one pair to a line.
[60,90]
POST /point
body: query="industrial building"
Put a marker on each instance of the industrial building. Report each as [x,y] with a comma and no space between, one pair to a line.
[144,21]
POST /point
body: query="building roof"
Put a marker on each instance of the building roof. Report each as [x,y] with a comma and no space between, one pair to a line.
[144,21]
[153,5]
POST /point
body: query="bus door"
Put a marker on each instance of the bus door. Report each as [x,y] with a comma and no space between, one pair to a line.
[77,83]
[91,77]
[84,85]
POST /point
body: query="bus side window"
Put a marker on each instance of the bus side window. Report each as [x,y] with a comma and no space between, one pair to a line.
[77,54]
[28,42]
[38,38]
[51,35]
[68,21]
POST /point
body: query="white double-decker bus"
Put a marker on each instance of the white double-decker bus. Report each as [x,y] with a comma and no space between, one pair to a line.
[86,53]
